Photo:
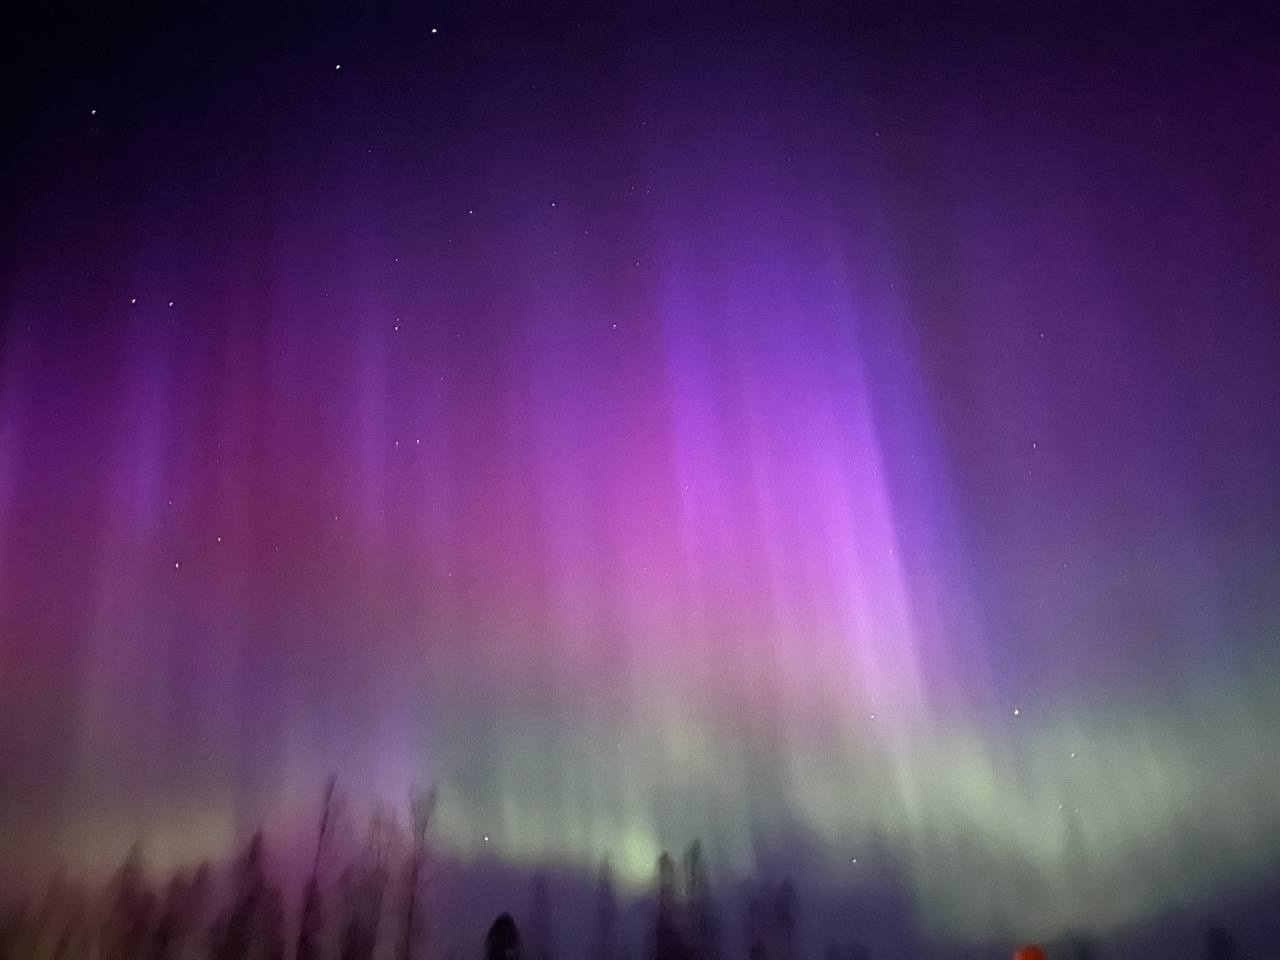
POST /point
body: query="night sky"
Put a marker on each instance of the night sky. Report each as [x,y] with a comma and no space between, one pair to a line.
[856,432]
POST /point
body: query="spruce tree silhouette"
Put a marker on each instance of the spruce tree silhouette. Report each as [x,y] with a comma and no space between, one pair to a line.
[1082,947]
[756,933]
[604,936]
[667,941]
[703,935]
[62,926]
[785,910]
[171,927]
[771,920]
[198,909]
[178,921]
[502,942]
[128,923]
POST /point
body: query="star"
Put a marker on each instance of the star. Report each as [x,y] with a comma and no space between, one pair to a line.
[177,564]
[486,838]
[337,66]
[171,303]
[134,300]
[93,113]
[1017,712]
[434,30]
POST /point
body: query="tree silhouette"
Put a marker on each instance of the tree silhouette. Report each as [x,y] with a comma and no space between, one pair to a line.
[272,943]
[757,930]
[1082,947]
[171,927]
[667,941]
[199,895]
[61,927]
[502,942]
[128,922]
[604,937]
[365,888]
[250,927]
[700,917]
[359,929]
[311,922]
[784,918]
[771,922]
[422,807]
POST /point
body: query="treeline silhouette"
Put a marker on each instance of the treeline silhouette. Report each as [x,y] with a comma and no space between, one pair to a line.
[378,908]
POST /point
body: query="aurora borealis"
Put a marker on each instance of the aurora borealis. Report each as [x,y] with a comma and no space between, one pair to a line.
[852,432]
